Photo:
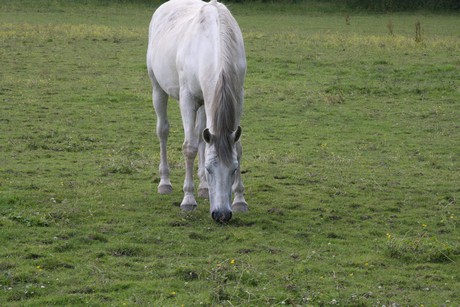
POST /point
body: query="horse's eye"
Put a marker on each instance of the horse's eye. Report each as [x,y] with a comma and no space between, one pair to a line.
[209,170]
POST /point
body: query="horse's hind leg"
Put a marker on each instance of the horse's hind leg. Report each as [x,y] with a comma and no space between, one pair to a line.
[160,101]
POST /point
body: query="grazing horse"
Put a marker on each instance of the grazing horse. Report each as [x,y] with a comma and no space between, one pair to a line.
[196,55]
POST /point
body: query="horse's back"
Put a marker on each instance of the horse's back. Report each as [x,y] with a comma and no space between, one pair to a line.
[184,38]
[173,37]
[174,14]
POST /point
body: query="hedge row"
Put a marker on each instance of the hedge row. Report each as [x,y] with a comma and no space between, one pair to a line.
[377,5]
[403,5]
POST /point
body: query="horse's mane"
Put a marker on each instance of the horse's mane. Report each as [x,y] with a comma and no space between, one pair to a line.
[224,105]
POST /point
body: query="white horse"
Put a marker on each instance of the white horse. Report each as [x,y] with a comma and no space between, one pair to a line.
[196,56]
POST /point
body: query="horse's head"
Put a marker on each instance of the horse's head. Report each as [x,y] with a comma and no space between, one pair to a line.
[221,165]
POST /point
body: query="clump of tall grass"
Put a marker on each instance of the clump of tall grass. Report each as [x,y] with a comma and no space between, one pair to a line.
[420,248]
[47,32]
[418,32]
[390,27]
[126,162]
[347,40]
[231,277]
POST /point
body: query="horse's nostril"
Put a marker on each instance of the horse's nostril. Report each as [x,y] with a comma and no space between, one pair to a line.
[221,217]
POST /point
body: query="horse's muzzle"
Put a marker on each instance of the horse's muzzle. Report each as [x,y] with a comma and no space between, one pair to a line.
[221,216]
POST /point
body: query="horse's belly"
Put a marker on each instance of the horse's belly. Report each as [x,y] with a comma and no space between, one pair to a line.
[169,80]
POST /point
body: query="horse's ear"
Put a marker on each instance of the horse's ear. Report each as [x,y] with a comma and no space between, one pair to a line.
[237,134]
[207,136]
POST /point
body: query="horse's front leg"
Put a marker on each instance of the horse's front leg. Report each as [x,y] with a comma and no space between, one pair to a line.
[239,203]
[200,125]
[188,107]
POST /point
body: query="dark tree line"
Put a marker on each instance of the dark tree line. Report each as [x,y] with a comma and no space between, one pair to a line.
[368,5]
[379,5]
[403,5]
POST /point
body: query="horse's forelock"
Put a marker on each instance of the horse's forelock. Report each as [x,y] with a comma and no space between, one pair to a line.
[224,150]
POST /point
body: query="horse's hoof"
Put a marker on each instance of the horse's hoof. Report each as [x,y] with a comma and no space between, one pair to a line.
[203,193]
[188,207]
[165,189]
[240,207]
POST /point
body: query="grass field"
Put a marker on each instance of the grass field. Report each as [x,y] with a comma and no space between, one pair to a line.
[351,163]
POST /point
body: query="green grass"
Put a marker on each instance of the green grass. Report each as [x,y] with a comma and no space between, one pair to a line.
[351,164]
